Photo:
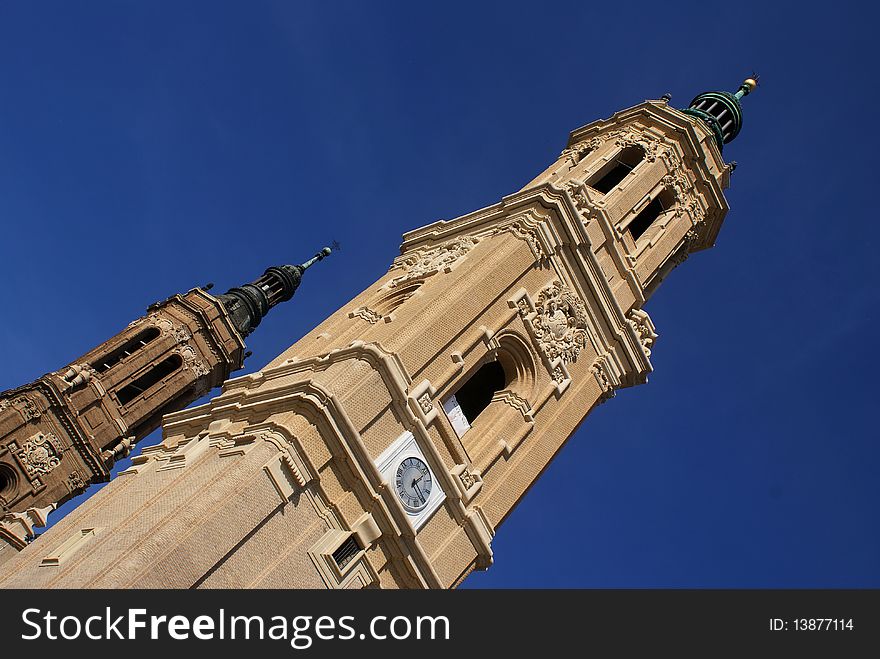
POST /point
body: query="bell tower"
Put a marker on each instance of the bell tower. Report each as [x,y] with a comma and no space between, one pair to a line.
[386,447]
[67,429]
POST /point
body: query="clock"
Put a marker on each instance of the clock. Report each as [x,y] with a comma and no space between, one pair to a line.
[413,483]
[409,478]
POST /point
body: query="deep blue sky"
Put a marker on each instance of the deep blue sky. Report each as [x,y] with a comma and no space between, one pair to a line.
[149,147]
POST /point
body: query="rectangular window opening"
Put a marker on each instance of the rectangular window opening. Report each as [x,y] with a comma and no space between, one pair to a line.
[346,552]
[613,173]
[149,379]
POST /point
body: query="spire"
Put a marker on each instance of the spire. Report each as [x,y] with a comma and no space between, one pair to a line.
[248,304]
[722,111]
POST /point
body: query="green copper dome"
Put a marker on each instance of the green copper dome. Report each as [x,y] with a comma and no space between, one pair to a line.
[722,111]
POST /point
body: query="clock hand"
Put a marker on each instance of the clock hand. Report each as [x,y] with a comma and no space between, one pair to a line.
[419,492]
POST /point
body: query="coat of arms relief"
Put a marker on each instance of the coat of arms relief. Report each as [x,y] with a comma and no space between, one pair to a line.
[560,323]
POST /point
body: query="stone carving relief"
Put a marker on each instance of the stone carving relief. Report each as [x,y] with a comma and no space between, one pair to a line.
[682,253]
[75,482]
[27,407]
[576,152]
[424,263]
[164,324]
[644,328]
[467,479]
[524,307]
[426,403]
[39,454]
[191,360]
[677,182]
[526,229]
[560,324]
[581,203]
[605,383]
[558,375]
[181,334]
[631,136]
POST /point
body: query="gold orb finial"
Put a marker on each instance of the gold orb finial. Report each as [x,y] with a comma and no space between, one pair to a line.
[751,83]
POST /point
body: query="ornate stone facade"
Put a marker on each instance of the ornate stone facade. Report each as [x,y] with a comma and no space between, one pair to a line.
[431,261]
[471,384]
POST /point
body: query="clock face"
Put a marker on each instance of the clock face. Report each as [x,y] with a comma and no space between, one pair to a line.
[413,483]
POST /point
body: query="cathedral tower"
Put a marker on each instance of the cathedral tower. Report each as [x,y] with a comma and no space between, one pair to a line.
[66,429]
[387,446]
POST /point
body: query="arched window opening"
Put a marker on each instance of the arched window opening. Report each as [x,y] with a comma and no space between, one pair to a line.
[7,481]
[475,395]
[391,301]
[646,217]
[135,343]
[607,178]
[149,379]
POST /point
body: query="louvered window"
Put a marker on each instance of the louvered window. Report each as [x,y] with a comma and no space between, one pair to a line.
[109,360]
[346,551]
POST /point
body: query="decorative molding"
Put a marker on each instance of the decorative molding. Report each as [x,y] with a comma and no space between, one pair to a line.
[468,480]
[641,323]
[191,360]
[632,135]
[604,378]
[39,454]
[164,324]
[69,546]
[181,334]
[576,152]
[366,314]
[579,198]
[426,403]
[677,182]
[239,444]
[682,253]
[427,262]
[284,476]
[75,483]
[526,227]
[27,407]
[517,402]
[524,306]
[421,401]
[560,375]
[523,230]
